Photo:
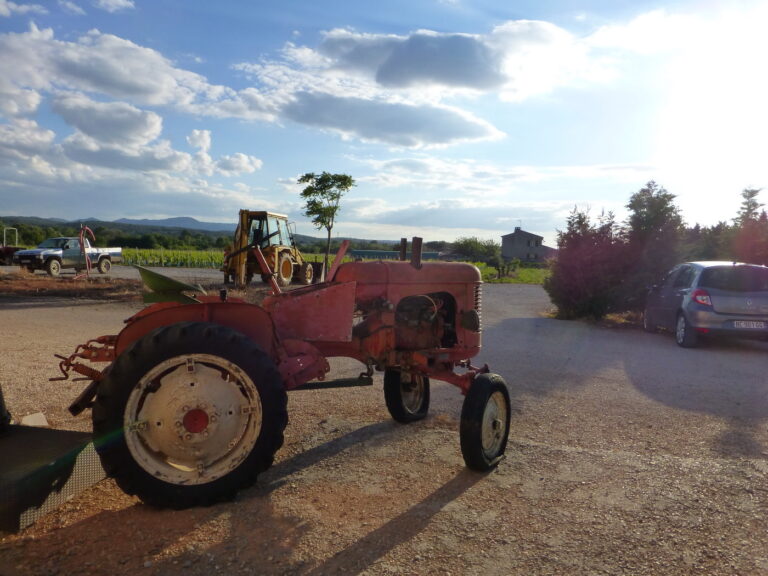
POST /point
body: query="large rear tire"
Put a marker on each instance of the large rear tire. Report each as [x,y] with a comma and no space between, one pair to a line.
[189,414]
[485,422]
[406,395]
[104,266]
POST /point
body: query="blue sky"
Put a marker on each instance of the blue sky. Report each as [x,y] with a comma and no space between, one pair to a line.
[455,117]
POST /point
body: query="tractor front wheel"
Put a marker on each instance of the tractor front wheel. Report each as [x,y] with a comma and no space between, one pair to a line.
[485,422]
[189,414]
[284,269]
[406,395]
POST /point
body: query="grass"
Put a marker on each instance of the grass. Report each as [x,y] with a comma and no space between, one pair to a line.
[519,276]
[215,259]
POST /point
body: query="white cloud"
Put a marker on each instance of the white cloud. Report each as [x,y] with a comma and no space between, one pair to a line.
[115,123]
[200,139]
[8,8]
[394,90]
[114,5]
[71,7]
[24,138]
[650,33]
[15,101]
[386,122]
[238,164]
[157,157]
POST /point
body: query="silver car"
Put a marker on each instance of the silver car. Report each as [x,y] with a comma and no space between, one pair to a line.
[710,298]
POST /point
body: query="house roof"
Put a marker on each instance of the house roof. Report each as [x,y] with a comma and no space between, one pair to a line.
[522,233]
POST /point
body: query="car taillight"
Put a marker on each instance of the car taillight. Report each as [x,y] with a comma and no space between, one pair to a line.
[701,297]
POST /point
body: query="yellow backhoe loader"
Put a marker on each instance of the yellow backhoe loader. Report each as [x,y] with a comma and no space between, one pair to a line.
[271,233]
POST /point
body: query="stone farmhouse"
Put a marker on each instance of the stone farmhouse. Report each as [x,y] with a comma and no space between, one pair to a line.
[525,246]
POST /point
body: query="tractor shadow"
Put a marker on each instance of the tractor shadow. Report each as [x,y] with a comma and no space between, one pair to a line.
[358,557]
[548,362]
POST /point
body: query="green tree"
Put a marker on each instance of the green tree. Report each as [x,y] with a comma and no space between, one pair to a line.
[654,232]
[750,207]
[477,250]
[322,196]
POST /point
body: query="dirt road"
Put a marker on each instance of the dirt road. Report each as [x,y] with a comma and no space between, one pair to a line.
[627,455]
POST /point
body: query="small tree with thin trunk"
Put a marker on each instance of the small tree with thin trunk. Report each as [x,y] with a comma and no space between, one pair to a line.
[322,197]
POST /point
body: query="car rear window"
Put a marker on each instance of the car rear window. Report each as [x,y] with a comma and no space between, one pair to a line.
[735,278]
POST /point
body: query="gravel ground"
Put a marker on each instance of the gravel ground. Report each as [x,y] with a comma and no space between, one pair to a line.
[627,455]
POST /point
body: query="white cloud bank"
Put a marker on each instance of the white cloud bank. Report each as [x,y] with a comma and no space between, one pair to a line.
[420,92]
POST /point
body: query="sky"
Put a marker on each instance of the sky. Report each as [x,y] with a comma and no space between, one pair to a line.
[456,118]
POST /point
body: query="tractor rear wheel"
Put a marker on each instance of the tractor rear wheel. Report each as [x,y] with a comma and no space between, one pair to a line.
[406,395]
[189,414]
[485,422]
[284,269]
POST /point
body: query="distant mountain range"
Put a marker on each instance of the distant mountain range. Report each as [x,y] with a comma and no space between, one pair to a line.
[148,226]
[181,222]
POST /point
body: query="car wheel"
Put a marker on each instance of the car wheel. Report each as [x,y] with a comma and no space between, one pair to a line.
[685,335]
[53,267]
[104,266]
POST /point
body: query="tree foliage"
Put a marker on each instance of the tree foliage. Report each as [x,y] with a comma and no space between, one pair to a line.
[653,233]
[476,250]
[750,207]
[322,196]
[604,267]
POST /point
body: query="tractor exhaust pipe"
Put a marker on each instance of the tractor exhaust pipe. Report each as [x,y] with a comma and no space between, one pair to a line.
[415,251]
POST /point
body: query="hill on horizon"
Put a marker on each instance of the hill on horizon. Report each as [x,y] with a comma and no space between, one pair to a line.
[181,222]
[152,225]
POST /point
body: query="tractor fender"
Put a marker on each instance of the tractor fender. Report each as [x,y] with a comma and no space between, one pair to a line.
[250,320]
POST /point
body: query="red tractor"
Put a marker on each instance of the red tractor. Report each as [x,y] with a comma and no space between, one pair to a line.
[193,404]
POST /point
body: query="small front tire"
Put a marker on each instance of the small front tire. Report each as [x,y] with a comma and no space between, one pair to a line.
[406,395]
[485,419]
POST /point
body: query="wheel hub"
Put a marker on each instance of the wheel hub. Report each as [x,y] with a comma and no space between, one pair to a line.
[494,423]
[195,421]
[192,419]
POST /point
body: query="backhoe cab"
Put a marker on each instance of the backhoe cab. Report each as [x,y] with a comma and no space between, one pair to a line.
[272,234]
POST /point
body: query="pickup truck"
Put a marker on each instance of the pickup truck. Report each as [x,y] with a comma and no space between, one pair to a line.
[55,254]
[6,254]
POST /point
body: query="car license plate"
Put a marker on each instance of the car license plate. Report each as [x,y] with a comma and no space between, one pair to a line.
[749,325]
